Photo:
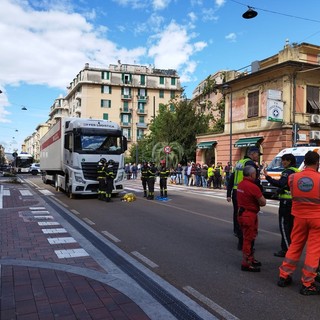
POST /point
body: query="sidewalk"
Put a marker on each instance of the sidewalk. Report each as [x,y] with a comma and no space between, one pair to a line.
[45,273]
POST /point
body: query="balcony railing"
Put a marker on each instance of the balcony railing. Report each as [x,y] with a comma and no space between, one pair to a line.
[126,97]
[125,110]
[142,98]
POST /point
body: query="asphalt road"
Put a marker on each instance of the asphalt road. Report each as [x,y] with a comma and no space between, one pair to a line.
[188,240]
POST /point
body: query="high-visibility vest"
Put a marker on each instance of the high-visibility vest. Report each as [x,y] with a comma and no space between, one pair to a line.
[238,172]
[305,191]
[286,193]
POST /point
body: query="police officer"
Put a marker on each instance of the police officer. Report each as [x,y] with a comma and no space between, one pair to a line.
[110,175]
[101,177]
[151,180]
[236,177]
[144,177]
[163,174]
[285,217]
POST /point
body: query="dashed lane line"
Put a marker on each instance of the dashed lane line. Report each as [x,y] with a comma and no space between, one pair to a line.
[221,311]
[110,236]
[144,259]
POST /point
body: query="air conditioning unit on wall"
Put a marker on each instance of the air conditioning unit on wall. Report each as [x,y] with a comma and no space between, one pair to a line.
[315,135]
[314,118]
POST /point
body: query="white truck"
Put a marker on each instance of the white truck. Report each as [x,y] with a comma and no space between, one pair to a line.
[275,168]
[71,150]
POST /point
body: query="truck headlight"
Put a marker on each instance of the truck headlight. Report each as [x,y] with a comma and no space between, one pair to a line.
[79,178]
[119,178]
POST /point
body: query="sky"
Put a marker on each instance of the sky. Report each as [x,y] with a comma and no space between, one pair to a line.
[45,43]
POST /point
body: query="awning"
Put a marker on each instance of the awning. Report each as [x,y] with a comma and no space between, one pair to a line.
[206,144]
[247,142]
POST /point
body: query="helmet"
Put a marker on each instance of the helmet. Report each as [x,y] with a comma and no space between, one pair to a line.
[111,161]
[103,160]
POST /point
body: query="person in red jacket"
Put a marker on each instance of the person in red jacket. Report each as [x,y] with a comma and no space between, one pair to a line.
[305,192]
[249,198]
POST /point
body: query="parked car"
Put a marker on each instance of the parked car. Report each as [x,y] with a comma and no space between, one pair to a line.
[5,168]
[35,168]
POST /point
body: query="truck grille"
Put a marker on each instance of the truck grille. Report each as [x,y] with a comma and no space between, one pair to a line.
[90,170]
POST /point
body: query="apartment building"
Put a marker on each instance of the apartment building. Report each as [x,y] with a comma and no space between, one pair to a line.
[126,94]
[264,105]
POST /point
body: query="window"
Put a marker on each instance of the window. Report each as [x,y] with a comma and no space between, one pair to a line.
[126,78]
[313,105]
[126,132]
[105,89]
[105,75]
[143,79]
[172,107]
[141,119]
[105,103]
[173,81]
[142,92]
[141,107]
[126,91]
[161,80]
[125,118]
[140,133]
[161,93]
[253,104]
[105,116]
[172,94]
[125,106]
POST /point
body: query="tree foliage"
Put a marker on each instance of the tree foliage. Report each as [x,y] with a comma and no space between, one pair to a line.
[179,126]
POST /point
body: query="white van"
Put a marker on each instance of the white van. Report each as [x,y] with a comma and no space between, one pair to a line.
[275,168]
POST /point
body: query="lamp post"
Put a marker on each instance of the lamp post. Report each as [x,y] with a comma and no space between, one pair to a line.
[227,87]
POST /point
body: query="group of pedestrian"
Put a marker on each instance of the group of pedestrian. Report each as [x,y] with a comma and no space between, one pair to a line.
[149,172]
[105,177]
[299,215]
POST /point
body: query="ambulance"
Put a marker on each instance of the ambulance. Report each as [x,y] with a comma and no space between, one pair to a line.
[275,168]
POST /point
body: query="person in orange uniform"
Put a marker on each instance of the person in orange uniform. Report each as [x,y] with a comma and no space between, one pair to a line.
[250,199]
[305,192]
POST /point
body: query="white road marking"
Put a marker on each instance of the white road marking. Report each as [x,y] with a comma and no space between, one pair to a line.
[72,253]
[40,212]
[37,208]
[110,236]
[44,217]
[46,192]
[50,223]
[88,221]
[56,230]
[25,192]
[1,197]
[224,313]
[61,240]
[144,259]
[75,211]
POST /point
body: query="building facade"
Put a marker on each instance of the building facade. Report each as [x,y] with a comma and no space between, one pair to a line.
[275,106]
[129,95]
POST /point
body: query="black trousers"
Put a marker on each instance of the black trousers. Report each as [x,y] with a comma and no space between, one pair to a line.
[163,187]
[236,227]
[285,223]
[109,187]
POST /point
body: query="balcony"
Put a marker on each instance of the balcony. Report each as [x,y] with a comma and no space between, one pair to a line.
[125,110]
[141,111]
[142,98]
[125,124]
[126,97]
[142,125]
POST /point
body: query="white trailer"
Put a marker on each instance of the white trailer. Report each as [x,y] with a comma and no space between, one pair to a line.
[71,150]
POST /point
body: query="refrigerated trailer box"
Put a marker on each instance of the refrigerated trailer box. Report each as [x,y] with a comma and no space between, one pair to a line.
[71,150]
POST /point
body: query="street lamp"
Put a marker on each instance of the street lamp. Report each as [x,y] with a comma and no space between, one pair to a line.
[227,87]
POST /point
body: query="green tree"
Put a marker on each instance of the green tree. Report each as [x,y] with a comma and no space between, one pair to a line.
[172,158]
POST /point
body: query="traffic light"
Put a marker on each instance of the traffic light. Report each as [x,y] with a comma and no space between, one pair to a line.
[295,133]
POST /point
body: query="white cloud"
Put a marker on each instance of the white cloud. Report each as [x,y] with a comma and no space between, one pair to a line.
[232,37]
[160,4]
[220,3]
[173,49]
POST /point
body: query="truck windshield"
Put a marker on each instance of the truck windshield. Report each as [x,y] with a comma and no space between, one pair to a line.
[276,164]
[89,143]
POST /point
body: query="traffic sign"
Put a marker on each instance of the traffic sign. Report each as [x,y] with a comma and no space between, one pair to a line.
[167,149]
